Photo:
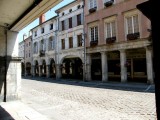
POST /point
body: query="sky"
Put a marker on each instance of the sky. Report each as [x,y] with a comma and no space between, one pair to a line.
[48,15]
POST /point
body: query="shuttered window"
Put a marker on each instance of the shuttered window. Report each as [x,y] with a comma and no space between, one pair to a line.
[70,42]
[63,43]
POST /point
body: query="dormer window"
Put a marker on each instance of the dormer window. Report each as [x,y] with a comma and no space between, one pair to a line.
[62,13]
[42,30]
[108,3]
[70,10]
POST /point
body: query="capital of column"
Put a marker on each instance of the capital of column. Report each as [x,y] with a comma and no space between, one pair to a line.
[122,50]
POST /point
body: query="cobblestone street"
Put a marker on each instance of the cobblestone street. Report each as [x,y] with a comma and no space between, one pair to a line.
[69,102]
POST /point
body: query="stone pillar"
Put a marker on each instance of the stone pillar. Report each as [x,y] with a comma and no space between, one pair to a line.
[88,67]
[33,70]
[10,66]
[104,67]
[40,70]
[48,71]
[123,66]
[149,63]
[58,71]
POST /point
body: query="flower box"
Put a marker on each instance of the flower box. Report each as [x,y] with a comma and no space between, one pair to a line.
[110,40]
[92,9]
[93,43]
[109,3]
[133,36]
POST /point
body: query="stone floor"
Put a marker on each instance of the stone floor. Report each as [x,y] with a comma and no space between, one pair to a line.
[79,101]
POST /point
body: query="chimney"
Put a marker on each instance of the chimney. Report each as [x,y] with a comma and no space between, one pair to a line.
[41,18]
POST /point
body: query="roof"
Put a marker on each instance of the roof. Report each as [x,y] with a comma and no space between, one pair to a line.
[44,22]
[65,6]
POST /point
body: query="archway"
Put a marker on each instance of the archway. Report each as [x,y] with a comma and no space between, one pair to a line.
[43,68]
[23,69]
[52,68]
[72,68]
[28,68]
[36,68]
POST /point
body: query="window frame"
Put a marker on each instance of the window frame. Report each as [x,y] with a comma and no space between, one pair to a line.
[70,42]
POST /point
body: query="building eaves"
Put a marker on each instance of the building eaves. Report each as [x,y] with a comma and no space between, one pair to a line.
[44,22]
[56,11]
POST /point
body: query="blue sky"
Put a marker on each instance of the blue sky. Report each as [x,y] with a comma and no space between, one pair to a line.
[48,15]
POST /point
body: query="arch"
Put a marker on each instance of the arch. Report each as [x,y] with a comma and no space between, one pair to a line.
[75,55]
[23,69]
[52,68]
[43,68]
[36,69]
[28,68]
[72,67]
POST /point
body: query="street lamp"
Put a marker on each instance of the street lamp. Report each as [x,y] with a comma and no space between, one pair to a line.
[24,35]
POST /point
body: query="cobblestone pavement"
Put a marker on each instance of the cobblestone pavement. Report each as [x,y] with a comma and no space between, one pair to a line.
[70,102]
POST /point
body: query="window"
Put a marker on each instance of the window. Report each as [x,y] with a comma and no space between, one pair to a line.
[78,7]
[35,47]
[35,33]
[94,33]
[51,43]
[51,26]
[70,22]
[110,29]
[70,10]
[63,44]
[62,25]
[29,54]
[79,19]
[79,40]
[92,4]
[70,42]
[62,13]
[42,30]
[132,24]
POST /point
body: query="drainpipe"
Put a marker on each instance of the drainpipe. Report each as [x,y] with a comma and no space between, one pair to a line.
[5,79]
[24,55]
[84,40]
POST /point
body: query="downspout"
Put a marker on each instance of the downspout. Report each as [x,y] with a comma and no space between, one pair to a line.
[84,40]
[5,80]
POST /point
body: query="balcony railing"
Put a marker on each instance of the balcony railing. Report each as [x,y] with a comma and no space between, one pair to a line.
[91,10]
[94,43]
[133,36]
[41,53]
[109,3]
[110,40]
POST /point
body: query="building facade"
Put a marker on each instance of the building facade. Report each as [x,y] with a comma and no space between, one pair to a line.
[118,44]
[28,56]
[44,47]
[70,57]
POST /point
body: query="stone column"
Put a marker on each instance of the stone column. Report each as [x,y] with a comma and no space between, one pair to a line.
[149,63]
[40,70]
[104,67]
[48,71]
[123,66]
[88,67]
[33,70]
[58,71]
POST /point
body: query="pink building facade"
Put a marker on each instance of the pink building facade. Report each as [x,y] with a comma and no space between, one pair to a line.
[117,41]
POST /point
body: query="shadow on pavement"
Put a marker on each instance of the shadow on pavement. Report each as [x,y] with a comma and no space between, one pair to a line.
[135,87]
[4,115]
